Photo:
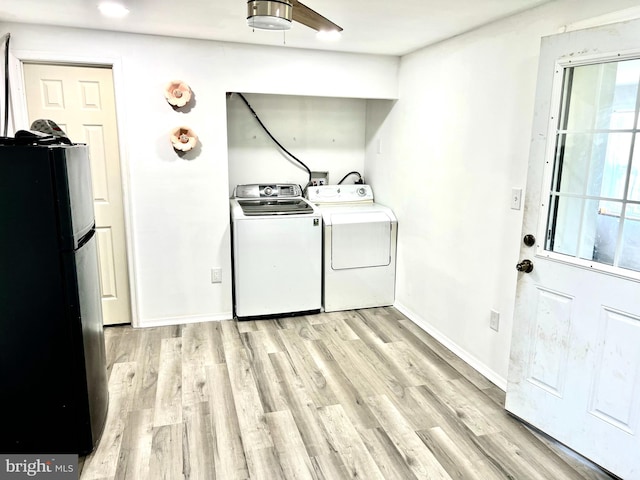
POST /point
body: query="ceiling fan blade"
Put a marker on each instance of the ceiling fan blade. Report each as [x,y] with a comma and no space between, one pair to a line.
[312,19]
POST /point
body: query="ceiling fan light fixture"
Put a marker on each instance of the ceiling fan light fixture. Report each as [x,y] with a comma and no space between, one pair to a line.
[328,35]
[269,14]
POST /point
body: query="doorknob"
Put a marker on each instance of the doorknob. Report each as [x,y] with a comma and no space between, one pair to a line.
[525,266]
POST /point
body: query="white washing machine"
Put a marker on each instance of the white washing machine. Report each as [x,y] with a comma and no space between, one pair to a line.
[277,252]
[359,247]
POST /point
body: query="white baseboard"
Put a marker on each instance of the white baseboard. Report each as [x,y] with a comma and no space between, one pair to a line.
[166,321]
[483,369]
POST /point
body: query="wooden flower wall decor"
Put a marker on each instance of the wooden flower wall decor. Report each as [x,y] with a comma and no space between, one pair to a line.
[183,139]
[177,93]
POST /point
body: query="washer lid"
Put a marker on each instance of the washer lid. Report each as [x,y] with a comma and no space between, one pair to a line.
[275,206]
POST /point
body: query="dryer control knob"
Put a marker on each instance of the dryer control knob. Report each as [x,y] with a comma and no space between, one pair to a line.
[268,191]
[362,192]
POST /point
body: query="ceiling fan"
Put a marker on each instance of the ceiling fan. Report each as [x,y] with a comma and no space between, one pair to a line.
[278,14]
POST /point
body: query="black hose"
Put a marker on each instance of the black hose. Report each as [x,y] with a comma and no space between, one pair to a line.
[6,85]
[351,173]
[276,141]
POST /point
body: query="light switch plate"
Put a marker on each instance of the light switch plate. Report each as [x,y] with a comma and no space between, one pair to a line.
[494,320]
[216,275]
[516,198]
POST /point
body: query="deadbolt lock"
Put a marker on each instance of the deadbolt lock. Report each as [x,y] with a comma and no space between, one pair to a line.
[529,240]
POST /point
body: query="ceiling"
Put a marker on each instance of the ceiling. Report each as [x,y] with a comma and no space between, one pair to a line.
[389,27]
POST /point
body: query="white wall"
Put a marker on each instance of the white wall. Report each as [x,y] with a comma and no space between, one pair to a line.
[327,134]
[453,146]
[178,207]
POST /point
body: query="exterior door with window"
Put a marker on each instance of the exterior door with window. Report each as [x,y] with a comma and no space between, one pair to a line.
[575,357]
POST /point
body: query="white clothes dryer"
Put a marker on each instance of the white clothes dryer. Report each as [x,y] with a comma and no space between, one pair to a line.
[359,247]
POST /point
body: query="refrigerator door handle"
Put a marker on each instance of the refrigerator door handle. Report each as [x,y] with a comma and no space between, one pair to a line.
[86,237]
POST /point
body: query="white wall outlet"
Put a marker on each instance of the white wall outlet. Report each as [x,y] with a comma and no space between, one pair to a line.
[516,198]
[494,320]
[216,275]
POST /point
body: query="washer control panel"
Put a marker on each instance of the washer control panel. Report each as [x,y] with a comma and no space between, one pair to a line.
[255,190]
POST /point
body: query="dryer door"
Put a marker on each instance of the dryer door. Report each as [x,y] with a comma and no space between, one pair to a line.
[360,240]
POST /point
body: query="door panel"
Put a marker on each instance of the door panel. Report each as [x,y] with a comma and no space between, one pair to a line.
[552,325]
[575,357]
[81,101]
[616,373]
[574,362]
[106,263]
[94,135]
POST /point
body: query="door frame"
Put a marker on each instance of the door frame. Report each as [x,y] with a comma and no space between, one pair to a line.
[20,118]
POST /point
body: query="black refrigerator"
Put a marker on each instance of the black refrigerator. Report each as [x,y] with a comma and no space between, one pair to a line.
[53,378]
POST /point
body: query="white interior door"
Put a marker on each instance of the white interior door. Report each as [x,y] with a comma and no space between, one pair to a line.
[81,101]
[575,357]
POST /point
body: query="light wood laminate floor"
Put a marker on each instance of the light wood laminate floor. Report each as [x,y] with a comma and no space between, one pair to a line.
[363,394]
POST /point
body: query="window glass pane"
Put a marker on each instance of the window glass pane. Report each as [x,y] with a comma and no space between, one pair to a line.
[634,178]
[601,226]
[609,174]
[568,211]
[593,164]
[602,96]
[633,211]
[630,253]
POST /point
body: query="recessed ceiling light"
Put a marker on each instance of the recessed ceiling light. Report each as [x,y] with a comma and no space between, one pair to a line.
[328,35]
[113,9]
